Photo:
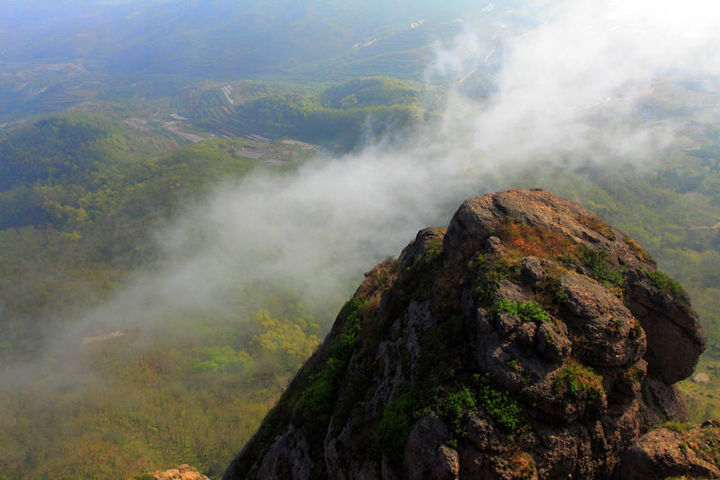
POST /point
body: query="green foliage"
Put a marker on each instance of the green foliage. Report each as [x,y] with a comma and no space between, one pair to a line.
[286,342]
[144,476]
[600,267]
[317,399]
[576,379]
[668,286]
[223,358]
[351,315]
[75,219]
[394,429]
[65,151]
[312,402]
[451,406]
[499,405]
[367,92]
[488,272]
[433,250]
[339,118]
[527,311]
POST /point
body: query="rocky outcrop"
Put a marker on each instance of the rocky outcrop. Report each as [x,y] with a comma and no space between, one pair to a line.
[183,472]
[528,340]
[671,452]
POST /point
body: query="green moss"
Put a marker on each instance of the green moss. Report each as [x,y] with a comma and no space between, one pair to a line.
[576,379]
[668,286]
[527,311]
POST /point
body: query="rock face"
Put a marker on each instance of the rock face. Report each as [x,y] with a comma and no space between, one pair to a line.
[528,340]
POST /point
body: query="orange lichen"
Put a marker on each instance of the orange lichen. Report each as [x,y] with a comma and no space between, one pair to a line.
[526,240]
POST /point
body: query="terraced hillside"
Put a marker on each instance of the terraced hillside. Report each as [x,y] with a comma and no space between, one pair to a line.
[338,116]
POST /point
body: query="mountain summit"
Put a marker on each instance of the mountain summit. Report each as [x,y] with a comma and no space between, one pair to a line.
[529,339]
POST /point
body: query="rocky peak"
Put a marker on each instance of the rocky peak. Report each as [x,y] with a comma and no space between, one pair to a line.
[528,340]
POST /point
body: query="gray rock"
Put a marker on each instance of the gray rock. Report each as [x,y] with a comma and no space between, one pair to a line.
[427,456]
[287,458]
[553,342]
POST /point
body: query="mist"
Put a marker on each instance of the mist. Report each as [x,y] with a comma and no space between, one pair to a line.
[565,96]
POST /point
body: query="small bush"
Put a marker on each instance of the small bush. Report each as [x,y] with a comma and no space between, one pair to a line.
[451,407]
[488,275]
[527,311]
[499,405]
[595,223]
[576,379]
[433,250]
[638,250]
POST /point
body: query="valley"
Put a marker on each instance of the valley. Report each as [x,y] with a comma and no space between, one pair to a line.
[185,206]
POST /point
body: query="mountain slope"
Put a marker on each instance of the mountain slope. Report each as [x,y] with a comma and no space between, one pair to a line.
[528,340]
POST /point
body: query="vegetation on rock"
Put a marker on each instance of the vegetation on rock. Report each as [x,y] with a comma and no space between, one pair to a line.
[461,357]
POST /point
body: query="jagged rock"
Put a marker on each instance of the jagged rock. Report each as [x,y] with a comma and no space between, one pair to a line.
[532,269]
[553,342]
[528,340]
[287,458]
[424,240]
[427,455]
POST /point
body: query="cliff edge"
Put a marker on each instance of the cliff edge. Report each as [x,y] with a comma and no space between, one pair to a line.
[529,340]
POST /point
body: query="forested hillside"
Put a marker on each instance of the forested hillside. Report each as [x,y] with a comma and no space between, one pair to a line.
[81,197]
[78,220]
[342,117]
[190,190]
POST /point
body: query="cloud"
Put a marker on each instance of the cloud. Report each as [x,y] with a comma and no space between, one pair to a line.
[566,95]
